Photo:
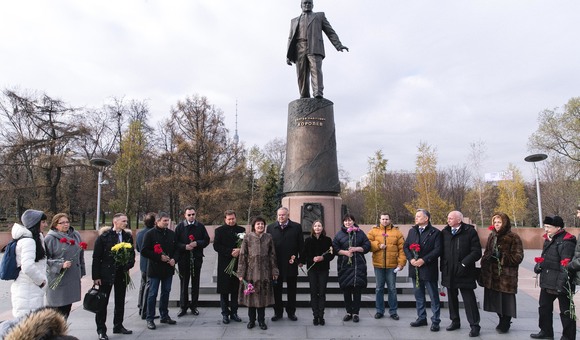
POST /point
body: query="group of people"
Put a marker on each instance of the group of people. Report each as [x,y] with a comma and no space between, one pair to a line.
[253,266]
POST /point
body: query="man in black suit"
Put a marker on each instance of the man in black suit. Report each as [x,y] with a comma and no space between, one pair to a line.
[288,242]
[225,242]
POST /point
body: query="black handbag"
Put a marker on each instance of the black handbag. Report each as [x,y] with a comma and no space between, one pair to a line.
[95,300]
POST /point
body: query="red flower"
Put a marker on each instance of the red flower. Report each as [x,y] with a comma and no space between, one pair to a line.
[191,238]
[565,262]
[63,240]
[492,228]
[415,247]
[83,245]
[157,249]
[71,242]
[442,293]
[538,259]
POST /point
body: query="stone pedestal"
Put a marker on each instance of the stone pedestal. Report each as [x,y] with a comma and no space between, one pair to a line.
[311,183]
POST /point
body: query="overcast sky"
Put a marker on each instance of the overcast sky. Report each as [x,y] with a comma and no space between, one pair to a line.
[446,72]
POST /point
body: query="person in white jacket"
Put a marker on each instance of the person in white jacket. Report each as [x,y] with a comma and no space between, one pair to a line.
[29,288]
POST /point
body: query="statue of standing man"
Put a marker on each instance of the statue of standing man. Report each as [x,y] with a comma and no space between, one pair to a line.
[306,48]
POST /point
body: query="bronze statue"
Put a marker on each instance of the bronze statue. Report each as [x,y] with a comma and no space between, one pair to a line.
[306,48]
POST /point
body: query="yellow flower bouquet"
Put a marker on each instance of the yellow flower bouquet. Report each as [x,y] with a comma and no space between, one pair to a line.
[123,254]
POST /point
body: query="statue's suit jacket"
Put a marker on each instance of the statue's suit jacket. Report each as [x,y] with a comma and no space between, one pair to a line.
[316,25]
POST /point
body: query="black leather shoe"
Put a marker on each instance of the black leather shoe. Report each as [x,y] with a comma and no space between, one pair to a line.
[194,311]
[182,313]
[395,316]
[474,332]
[168,321]
[225,319]
[541,335]
[251,324]
[321,322]
[276,317]
[236,318]
[378,315]
[122,330]
[418,323]
[434,327]
[355,318]
[315,322]
[151,325]
[103,336]
[263,325]
[453,326]
[292,317]
[347,317]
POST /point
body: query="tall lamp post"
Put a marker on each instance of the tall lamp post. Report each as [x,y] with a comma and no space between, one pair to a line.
[101,163]
[538,157]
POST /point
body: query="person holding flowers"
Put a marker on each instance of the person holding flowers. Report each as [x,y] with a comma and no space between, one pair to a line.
[160,247]
[423,248]
[107,272]
[499,270]
[257,270]
[555,280]
[318,254]
[65,264]
[388,258]
[227,242]
[350,244]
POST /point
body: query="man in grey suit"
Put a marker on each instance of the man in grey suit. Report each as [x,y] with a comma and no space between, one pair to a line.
[306,48]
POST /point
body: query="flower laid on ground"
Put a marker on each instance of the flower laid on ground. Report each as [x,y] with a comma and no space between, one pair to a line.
[191,259]
[351,233]
[58,279]
[123,254]
[231,268]
[442,291]
[416,248]
[248,288]
[538,260]
[495,254]
[569,289]
[329,251]
[157,249]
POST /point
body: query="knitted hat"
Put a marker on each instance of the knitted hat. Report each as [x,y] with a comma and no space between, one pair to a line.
[31,217]
[555,220]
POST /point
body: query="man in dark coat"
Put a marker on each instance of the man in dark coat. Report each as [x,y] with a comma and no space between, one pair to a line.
[288,242]
[159,247]
[149,223]
[191,237]
[227,244]
[424,263]
[461,249]
[107,274]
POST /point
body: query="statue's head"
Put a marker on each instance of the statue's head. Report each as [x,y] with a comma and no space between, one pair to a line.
[307,5]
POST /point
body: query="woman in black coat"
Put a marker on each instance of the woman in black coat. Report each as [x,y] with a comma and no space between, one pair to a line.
[318,254]
[350,244]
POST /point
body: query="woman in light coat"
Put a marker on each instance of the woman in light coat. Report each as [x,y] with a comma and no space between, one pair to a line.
[66,259]
[29,287]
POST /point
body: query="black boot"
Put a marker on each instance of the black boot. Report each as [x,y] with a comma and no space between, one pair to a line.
[504,324]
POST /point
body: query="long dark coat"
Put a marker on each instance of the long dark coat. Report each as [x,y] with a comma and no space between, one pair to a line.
[460,252]
[225,240]
[352,274]
[288,242]
[511,254]
[182,233]
[257,265]
[166,238]
[104,267]
[430,243]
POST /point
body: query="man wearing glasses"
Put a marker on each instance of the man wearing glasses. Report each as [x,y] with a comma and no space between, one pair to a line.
[191,237]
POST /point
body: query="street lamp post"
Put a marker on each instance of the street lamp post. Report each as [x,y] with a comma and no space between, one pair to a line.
[534,159]
[101,163]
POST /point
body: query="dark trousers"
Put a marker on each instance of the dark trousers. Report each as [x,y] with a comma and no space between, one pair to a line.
[165,284]
[120,290]
[229,303]
[64,310]
[143,292]
[352,297]
[308,68]
[470,303]
[291,282]
[318,281]
[261,314]
[185,275]
[547,307]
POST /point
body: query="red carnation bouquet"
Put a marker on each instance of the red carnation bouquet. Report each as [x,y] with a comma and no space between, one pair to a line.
[416,248]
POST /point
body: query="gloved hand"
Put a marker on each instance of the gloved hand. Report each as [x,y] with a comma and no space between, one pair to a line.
[538,268]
